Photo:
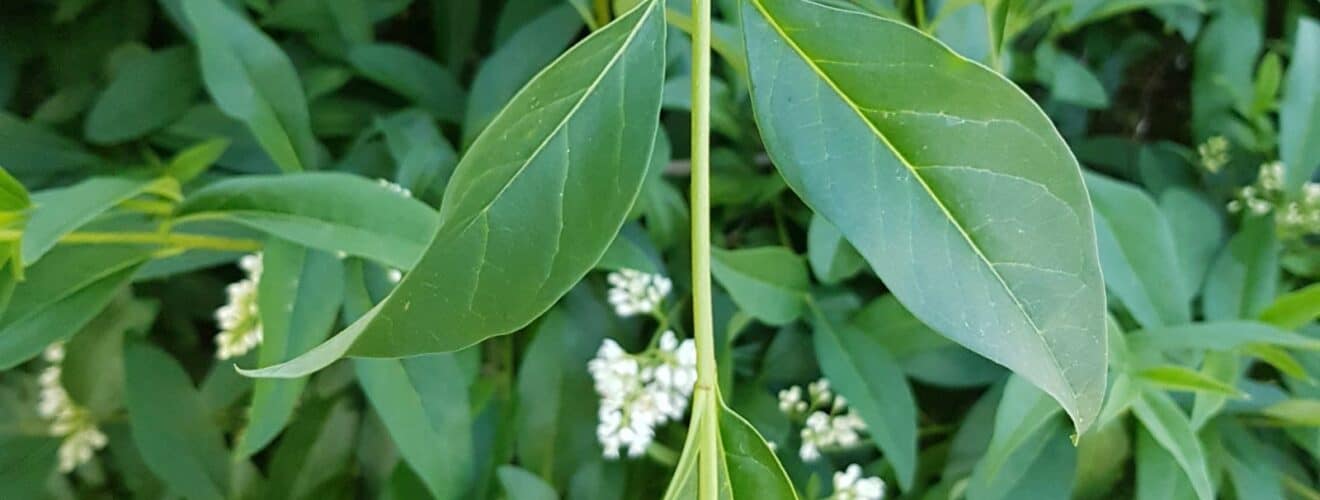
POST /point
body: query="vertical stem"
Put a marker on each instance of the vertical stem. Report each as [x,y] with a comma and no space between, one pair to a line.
[703,326]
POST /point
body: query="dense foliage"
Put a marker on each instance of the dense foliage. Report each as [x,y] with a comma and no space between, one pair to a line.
[981,249]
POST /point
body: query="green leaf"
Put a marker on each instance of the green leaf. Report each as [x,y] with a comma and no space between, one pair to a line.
[1138,254]
[1024,413]
[1245,276]
[864,373]
[552,442]
[1158,475]
[316,451]
[1006,228]
[1069,79]
[93,367]
[523,485]
[1198,233]
[1171,429]
[926,356]
[770,283]
[530,48]
[424,401]
[426,160]
[411,75]
[748,468]
[508,246]
[1221,367]
[147,93]
[298,296]
[1302,412]
[38,155]
[190,163]
[322,211]
[58,212]
[61,294]
[253,81]
[26,463]
[1294,309]
[1044,467]
[1299,112]
[171,427]
[1251,468]
[832,258]
[1221,336]
[1181,378]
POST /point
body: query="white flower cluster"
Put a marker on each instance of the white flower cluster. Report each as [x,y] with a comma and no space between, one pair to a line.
[850,485]
[68,420]
[639,392]
[1214,153]
[634,292]
[397,189]
[1294,217]
[240,325]
[829,424]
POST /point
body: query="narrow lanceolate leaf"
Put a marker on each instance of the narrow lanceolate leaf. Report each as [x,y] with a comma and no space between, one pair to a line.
[1294,309]
[171,427]
[412,75]
[298,295]
[424,403]
[532,206]
[1299,113]
[253,81]
[14,203]
[1172,430]
[748,468]
[1138,253]
[328,211]
[865,373]
[949,180]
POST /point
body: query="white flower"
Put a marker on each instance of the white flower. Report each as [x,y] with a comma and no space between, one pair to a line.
[1270,177]
[238,319]
[1311,192]
[394,275]
[829,425]
[81,436]
[634,292]
[1214,153]
[394,187]
[641,392]
[850,485]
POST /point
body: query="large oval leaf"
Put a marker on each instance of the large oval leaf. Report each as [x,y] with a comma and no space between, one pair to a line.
[532,206]
[949,180]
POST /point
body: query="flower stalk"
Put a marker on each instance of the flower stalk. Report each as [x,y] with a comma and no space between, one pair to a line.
[705,421]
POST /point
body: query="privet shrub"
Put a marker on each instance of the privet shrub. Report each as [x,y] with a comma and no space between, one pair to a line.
[535,249]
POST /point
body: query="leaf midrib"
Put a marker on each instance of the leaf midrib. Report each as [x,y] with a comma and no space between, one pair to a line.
[917,176]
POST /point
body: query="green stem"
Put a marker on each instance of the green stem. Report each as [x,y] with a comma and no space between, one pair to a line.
[919,6]
[183,241]
[703,329]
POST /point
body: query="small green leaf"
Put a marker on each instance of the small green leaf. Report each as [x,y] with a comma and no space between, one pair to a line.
[832,258]
[322,211]
[1245,276]
[147,93]
[523,485]
[1224,368]
[191,162]
[1158,474]
[1198,233]
[1069,79]
[171,427]
[298,297]
[411,75]
[748,468]
[1301,412]
[38,155]
[425,159]
[1024,413]
[770,283]
[1171,429]
[93,366]
[864,373]
[424,401]
[253,81]
[1181,378]
[903,171]
[1299,113]
[532,206]
[1294,309]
